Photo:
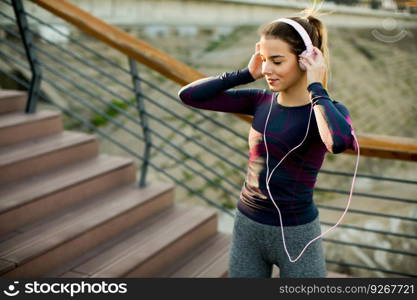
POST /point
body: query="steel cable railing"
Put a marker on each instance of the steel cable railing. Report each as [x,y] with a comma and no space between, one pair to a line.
[130,151]
[235,150]
[135,120]
[114,65]
[120,125]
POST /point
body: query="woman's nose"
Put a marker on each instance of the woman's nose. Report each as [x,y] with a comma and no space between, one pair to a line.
[266,68]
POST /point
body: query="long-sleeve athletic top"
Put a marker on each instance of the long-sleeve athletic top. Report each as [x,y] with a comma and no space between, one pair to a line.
[292,183]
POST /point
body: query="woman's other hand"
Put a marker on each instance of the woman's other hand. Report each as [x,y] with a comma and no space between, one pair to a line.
[315,65]
[255,63]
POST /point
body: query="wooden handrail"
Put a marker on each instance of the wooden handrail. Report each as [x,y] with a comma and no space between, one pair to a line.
[384,146]
[411,3]
[370,144]
[122,41]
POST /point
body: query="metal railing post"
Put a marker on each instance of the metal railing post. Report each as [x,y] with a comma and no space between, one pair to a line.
[22,23]
[143,120]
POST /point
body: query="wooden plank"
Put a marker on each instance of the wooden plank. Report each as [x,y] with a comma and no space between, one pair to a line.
[74,231]
[12,101]
[411,3]
[384,146]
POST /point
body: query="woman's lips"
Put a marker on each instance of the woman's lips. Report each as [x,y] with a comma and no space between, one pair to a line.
[271,81]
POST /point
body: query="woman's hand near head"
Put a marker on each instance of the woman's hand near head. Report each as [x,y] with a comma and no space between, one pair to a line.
[255,63]
[315,66]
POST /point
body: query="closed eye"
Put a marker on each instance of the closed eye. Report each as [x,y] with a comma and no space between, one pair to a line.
[277,63]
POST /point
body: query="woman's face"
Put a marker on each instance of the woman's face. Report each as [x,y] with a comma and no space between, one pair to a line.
[279,66]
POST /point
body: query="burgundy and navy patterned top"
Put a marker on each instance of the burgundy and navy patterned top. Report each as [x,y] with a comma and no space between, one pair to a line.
[292,183]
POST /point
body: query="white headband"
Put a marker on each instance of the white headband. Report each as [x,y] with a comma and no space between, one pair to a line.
[303,33]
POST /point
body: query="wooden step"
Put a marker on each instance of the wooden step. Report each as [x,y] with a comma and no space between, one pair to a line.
[209,260]
[18,126]
[152,246]
[44,246]
[35,197]
[12,101]
[39,155]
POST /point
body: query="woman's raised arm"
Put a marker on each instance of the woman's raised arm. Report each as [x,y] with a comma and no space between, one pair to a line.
[333,120]
[215,93]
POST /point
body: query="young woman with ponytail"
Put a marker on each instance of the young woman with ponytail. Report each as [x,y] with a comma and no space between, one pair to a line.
[284,114]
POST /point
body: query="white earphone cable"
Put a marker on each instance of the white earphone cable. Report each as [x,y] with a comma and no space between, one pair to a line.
[268,178]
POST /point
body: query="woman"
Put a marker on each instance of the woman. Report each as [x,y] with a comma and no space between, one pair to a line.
[284,114]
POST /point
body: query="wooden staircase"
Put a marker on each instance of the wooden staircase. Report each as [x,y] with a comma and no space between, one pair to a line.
[68,211]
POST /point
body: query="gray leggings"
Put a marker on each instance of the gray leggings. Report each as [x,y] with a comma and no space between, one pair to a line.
[256,247]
